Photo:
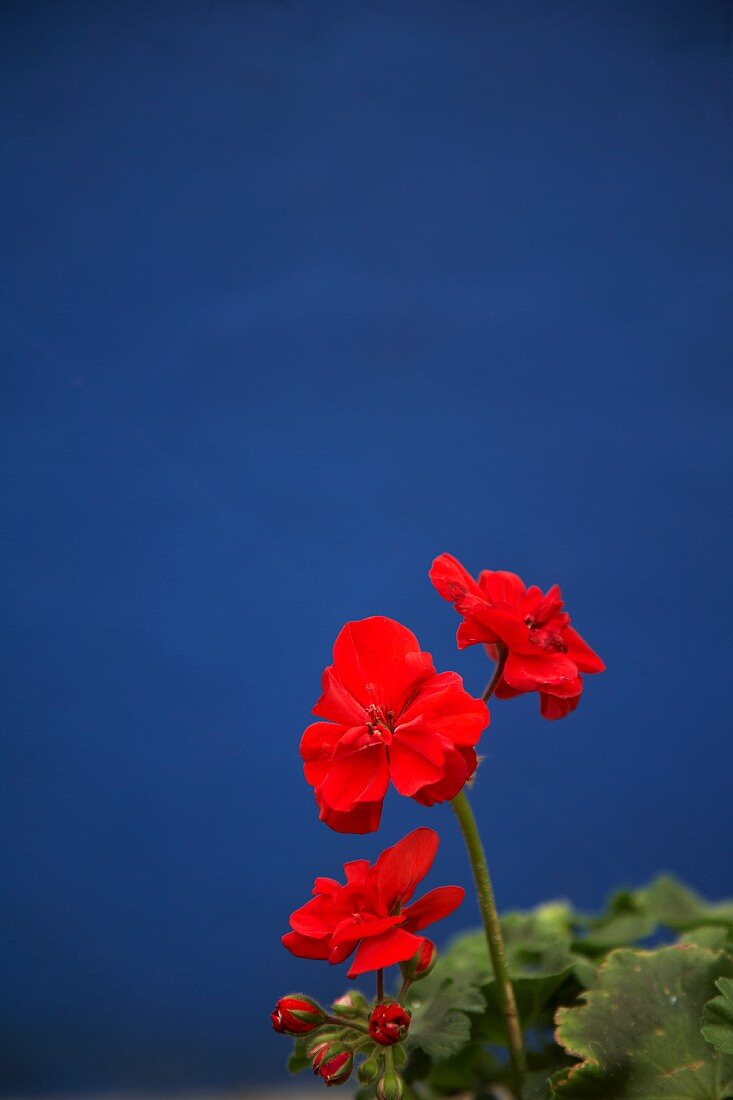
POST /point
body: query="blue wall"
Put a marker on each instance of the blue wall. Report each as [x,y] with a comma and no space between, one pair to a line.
[298,295]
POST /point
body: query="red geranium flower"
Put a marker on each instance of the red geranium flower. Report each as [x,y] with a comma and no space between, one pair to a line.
[522,627]
[368,910]
[389,715]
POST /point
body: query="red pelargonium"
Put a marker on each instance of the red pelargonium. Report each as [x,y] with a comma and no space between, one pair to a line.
[524,627]
[370,911]
[387,715]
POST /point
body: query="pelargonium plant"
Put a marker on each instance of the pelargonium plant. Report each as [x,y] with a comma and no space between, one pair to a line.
[546,1004]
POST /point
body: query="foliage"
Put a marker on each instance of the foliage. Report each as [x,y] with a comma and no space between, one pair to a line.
[441,1016]
[717,1019]
[638,1032]
[636,1017]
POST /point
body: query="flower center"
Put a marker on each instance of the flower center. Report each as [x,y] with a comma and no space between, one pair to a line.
[550,640]
[380,723]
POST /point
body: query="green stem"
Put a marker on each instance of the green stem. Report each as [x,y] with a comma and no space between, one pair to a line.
[492,927]
[341,1022]
[380,986]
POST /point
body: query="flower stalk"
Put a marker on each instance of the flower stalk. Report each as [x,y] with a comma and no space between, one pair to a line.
[340,1022]
[494,939]
[502,653]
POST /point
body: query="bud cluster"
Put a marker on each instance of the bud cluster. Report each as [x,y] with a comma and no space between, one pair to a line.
[353,1028]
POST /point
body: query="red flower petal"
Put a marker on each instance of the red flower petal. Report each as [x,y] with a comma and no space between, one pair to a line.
[460,764]
[315,918]
[304,947]
[451,579]
[336,703]
[400,868]
[531,672]
[360,776]
[504,623]
[326,886]
[568,689]
[442,706]
[317,746]
[472,632]
[433,906]
[585,658]
[393,947]
[320,739]
[552,707]
[503,691]
[357,872]
[410,764]
[501,586]
[365,929]
[364,818]
[369,656]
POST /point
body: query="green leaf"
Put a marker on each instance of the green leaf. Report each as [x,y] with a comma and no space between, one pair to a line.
[440,1024]
[717,1019]
[466,1071]
[585,972]
[624,922]
[716,937]
[299,1060]
[670,903]
[541,1065]
[539,960]
[536,1086]
[531,940]
[533,996]
[638,1033]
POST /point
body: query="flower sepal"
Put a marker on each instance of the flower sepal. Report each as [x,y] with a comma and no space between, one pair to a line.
[370,1069]
[352,1005]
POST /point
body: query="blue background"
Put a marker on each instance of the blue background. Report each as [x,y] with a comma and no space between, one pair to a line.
[297,296]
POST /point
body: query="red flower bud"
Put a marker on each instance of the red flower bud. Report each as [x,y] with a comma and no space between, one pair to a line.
[297,1015]
[319,1044]
[334,1063]
[389,1024]
[421,963]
